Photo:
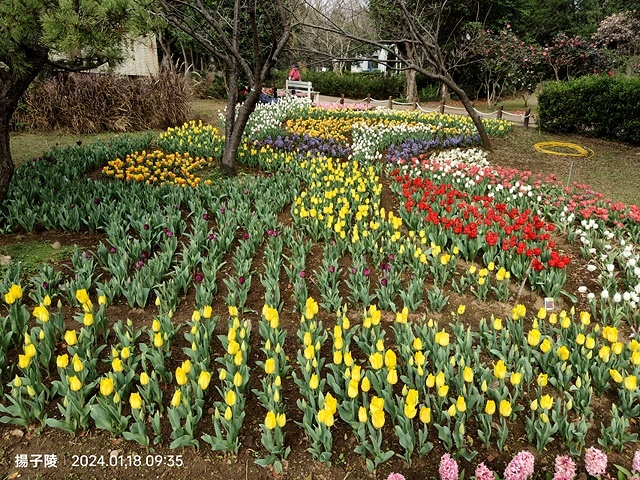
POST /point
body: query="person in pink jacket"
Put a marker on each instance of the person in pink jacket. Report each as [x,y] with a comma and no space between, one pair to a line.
[294,75]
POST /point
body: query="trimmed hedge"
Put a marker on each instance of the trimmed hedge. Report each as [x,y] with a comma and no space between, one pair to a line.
[604,107]
[357,85]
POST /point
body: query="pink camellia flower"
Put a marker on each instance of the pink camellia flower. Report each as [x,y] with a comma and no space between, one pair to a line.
[520,467]
[448,468]
[595,461]
[565,468]
[635,466]
[395,476]
[484,473]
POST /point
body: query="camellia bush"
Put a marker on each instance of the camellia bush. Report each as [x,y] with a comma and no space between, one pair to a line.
[369,277]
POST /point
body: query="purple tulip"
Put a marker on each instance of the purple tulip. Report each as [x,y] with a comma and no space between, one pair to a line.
[169,233]
[96,201]
[45,285]
[145,226]
[241,280]
[198,278]
[332,269]
[205,216]
[112,250]
[366,272]
[383,282]
[222,210]
[302,274]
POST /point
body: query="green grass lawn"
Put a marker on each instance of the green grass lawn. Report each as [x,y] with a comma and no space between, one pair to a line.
[25,146]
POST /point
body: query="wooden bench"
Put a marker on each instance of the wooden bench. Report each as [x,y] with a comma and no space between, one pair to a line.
[301,88]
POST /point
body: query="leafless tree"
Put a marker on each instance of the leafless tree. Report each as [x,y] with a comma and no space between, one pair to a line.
[246,37]
[424,37]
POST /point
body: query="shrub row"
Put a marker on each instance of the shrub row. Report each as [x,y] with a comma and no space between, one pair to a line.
[357,85]
[90,103]
[605,107]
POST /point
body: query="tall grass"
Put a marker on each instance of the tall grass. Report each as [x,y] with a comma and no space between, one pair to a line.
[84,103]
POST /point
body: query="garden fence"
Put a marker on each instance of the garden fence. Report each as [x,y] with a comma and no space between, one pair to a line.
[524,119]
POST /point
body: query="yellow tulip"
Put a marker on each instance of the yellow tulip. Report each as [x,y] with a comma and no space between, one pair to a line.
[362,414]
[542,313]
[144,378]
[281,419]
[505,408]
[207,311]
[585,318]
[515,378]
[545,346]
[228,414]
[500,370]
[62,361]
[270,365]
[116,364]
[231,398]
[630,382]
[442,338]
[376,360]
[70,337]
[88,319]
[366,384]
[126,353]
[430,381]
[497,324]
[490,407]
[77,364]
[41,313]
[270,420]
[377,419]
[533,338]
[74,383]
[546,402]
[233,311]
[82,296]
[443,390]
[461,404]
[352,389]
[410,410]
[106,386]
[330,404]
[203,379]
[417,343]
[155,325]
[543,378]
[563,353]
[390,359]
[177,398]
[392,376]
[615,375]
[237,379]
[425,415]
[181,376]
[30,350]
[467,374]
[24,361]
[440,379]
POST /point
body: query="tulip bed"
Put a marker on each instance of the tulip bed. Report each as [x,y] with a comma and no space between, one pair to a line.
[370,283]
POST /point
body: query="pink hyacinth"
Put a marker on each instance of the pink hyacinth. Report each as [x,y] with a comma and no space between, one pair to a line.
[595,461]
[520,467]
[448,468]
[565,468]
[484,473]
[395,476]
[635,466]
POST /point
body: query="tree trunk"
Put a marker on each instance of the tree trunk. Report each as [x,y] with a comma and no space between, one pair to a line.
[11,89]
[412,88]
[477,120]
[235,124]
[444,92]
